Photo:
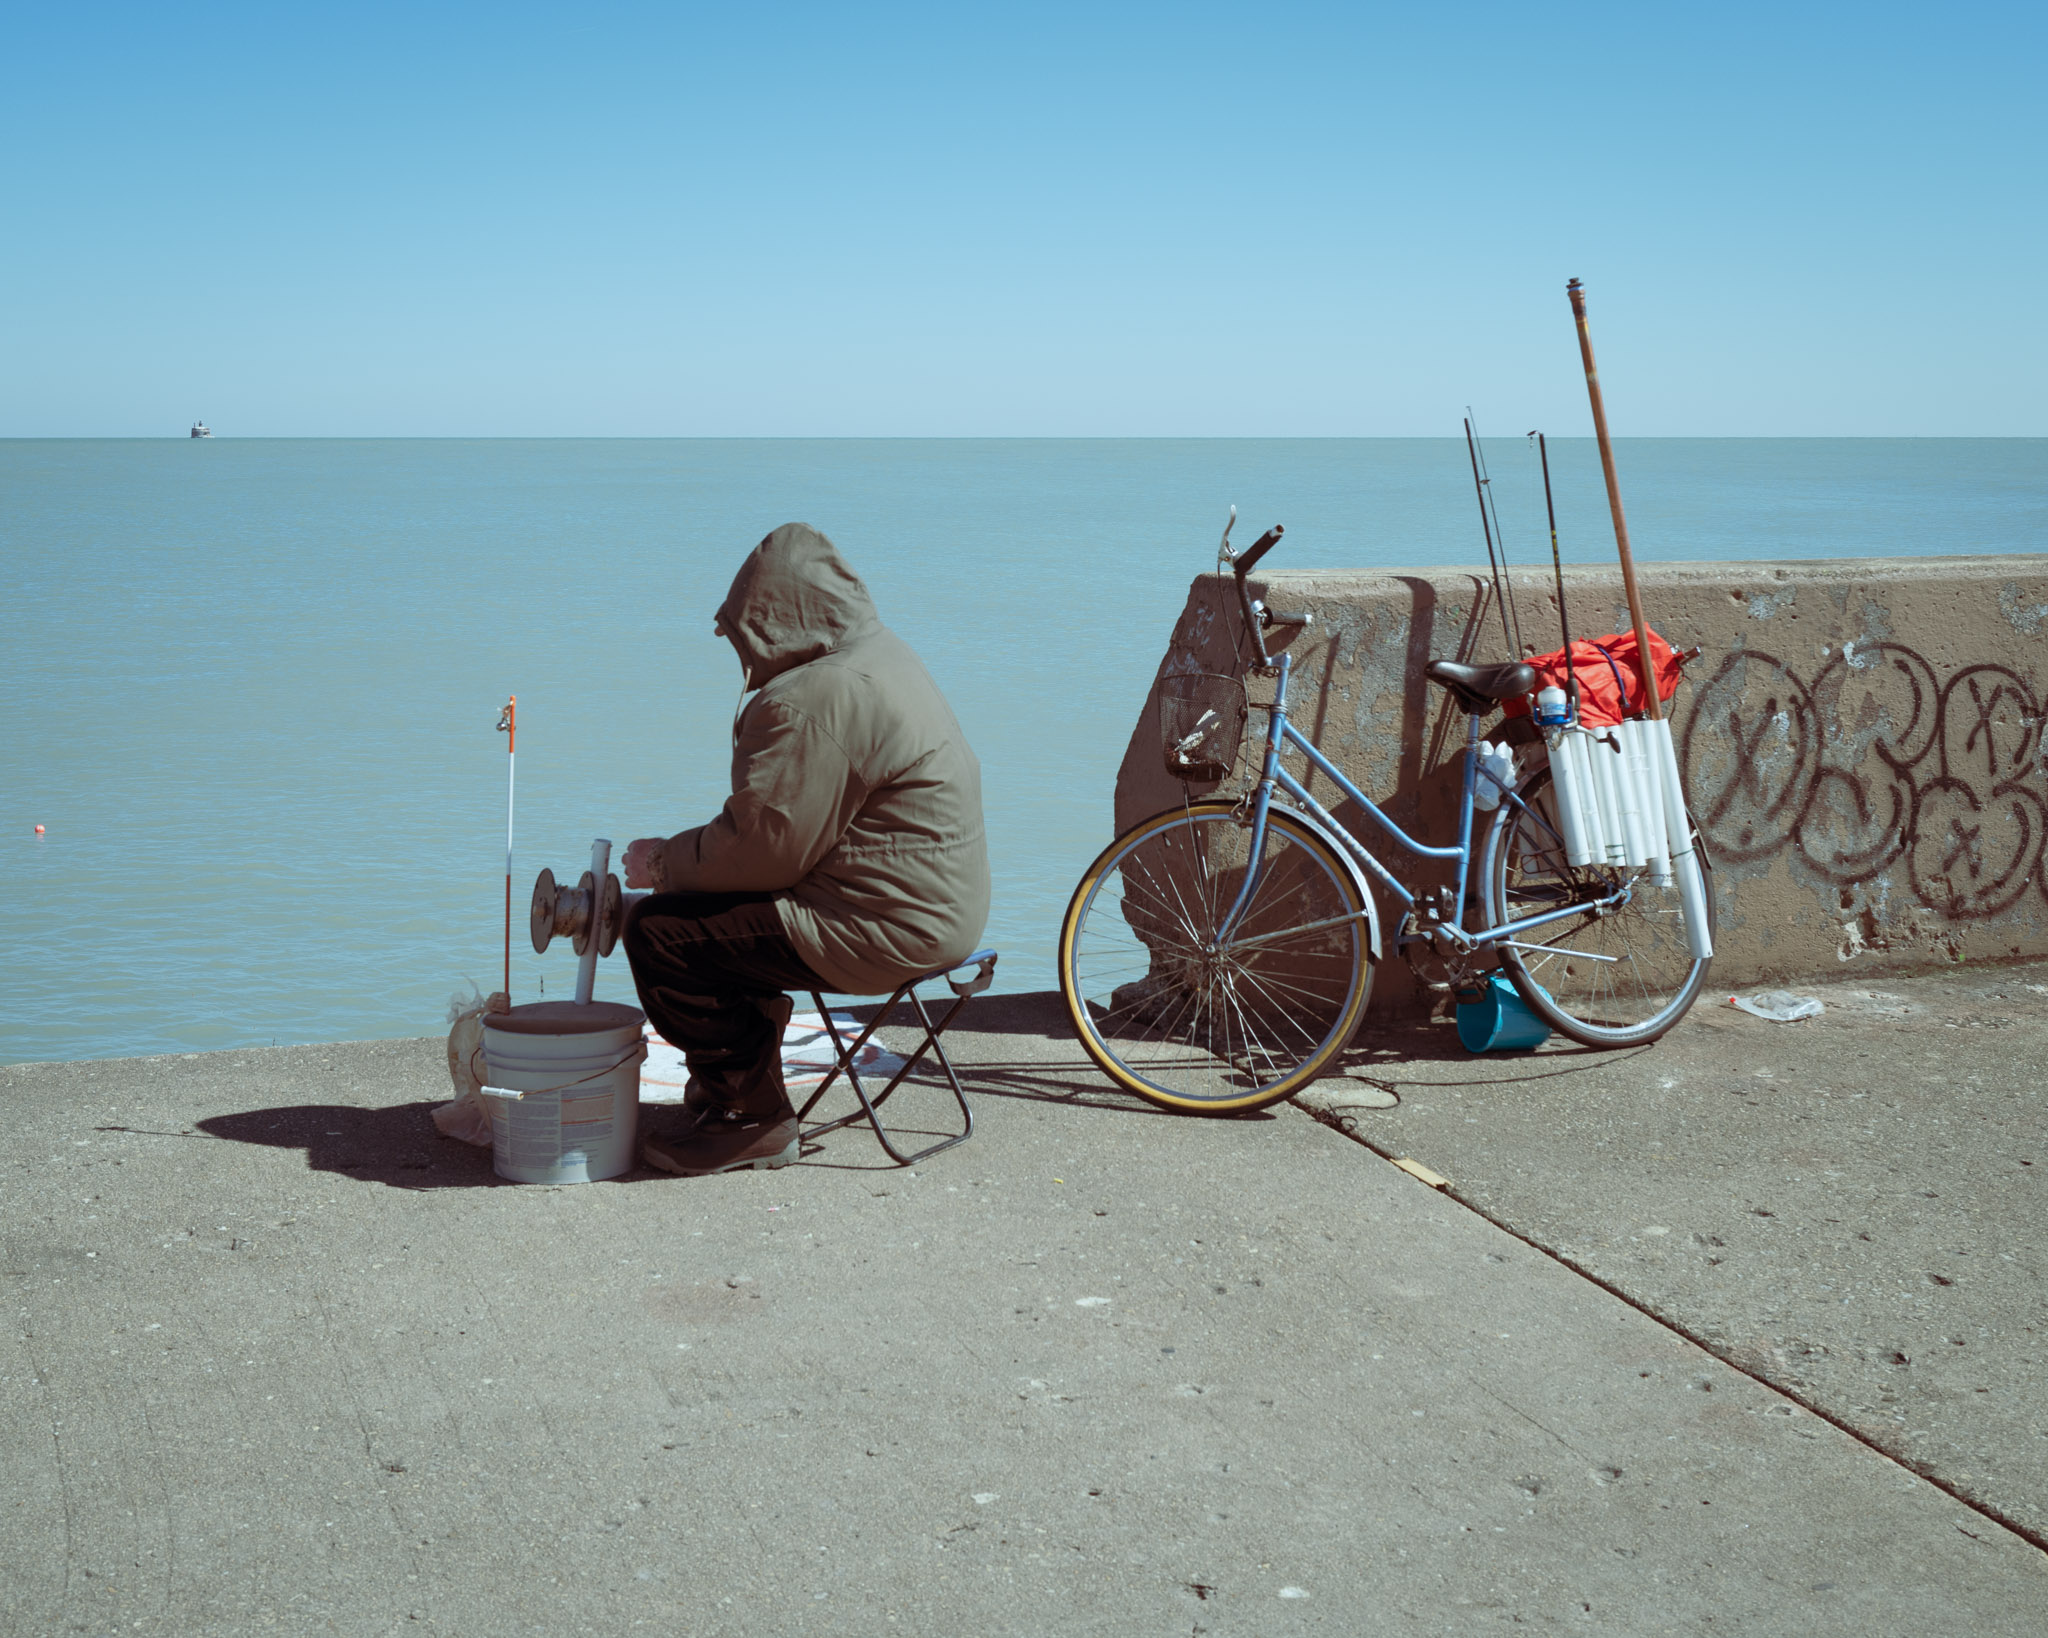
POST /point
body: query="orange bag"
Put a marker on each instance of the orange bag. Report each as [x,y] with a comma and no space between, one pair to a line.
[1610,679]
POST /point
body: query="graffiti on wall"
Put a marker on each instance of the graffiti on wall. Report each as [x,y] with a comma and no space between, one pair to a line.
[1876,765]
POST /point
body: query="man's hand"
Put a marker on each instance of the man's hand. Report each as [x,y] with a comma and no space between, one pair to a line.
[638,861]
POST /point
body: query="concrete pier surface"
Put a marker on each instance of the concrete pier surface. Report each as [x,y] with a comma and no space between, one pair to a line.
[1851,1207]
[283,1359]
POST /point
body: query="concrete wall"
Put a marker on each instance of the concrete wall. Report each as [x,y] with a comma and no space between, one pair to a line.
[1862,739]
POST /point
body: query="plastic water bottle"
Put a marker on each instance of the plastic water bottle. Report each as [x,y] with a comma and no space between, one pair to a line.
[1553,710]
[1499,760]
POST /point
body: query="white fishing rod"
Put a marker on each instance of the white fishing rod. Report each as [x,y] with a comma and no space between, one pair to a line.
[508,725]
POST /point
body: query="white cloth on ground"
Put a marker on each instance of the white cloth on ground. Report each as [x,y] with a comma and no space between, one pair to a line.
[806,1058]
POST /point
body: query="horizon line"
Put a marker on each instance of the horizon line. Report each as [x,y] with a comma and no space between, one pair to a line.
[994,437]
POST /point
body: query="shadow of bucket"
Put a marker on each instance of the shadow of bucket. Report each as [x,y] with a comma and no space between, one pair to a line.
[1495,1018]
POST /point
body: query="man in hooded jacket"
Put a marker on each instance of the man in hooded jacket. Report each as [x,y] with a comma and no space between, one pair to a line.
[849,857]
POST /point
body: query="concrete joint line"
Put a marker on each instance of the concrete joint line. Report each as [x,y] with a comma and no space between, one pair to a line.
[1333,1119]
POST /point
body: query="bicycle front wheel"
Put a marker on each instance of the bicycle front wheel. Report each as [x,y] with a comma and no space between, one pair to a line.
[1618,977]
[1193,1022]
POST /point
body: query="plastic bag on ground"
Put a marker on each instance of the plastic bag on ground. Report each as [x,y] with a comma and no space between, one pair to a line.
[1779,1006]
[466,1117]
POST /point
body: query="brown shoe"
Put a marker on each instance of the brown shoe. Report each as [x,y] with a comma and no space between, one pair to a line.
[674,1122]
[725,1144]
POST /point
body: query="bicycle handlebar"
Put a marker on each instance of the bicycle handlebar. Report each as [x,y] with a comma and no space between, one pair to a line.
[1260,547]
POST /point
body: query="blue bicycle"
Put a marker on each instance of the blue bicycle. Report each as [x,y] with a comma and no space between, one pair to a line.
[1217,956]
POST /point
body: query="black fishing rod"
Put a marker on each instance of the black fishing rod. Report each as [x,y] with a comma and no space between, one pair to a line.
[1491,528]
[1571,679]
[1500,537]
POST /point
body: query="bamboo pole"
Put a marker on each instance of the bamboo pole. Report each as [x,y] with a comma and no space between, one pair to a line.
[1644,661]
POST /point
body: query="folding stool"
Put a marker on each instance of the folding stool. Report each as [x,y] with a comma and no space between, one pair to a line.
[846,1051]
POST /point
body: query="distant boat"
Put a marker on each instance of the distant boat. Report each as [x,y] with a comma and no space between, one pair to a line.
[201,430]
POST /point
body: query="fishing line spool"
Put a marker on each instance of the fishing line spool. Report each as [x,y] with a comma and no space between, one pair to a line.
[564,912]
[591,915]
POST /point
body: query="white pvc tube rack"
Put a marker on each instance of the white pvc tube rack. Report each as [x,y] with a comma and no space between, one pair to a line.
[1685,862]
[1629,790]
[1600,753]
[1638,758]
[1581,751]
[1578,798]
[1565,786]
[1628,811]
[586,964]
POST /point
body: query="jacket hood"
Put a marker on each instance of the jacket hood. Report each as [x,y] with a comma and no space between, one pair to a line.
[794,599]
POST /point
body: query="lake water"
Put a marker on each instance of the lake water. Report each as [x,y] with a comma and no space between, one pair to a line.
[250,687]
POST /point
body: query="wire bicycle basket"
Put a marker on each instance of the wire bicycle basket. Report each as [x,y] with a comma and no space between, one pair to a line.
[1201,724]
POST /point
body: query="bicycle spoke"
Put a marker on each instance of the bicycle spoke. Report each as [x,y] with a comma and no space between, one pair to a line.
[1282,1014]
[1196,1022]
[1175,909]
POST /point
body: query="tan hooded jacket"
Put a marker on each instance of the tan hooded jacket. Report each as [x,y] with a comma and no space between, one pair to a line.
[855,798]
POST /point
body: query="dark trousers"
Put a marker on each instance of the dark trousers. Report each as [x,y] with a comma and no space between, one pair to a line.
[711,969]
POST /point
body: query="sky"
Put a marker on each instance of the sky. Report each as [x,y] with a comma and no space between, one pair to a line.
[1088,220]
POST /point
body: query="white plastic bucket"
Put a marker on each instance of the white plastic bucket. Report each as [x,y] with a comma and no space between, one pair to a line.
[563,1089]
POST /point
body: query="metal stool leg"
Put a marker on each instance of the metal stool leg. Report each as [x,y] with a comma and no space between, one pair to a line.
[845,1054]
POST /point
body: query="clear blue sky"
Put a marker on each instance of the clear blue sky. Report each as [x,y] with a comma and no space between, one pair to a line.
[1101,219]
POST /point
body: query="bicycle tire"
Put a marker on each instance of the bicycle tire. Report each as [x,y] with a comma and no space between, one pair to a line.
[1198,1031]
[1627,1001]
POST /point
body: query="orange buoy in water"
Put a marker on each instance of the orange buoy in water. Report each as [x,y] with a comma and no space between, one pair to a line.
[39,830]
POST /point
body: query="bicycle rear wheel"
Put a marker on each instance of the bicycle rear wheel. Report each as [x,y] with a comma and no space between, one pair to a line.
[1621,978]
[1191,1026]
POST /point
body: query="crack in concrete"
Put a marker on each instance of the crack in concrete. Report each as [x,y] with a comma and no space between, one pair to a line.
[1729,1357]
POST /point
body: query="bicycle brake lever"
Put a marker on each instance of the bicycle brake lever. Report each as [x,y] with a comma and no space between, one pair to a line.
[1226,554]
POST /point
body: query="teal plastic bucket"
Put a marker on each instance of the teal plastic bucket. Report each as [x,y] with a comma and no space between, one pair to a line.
[1495,1018]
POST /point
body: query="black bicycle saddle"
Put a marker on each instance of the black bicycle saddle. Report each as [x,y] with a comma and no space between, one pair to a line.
[1479,687]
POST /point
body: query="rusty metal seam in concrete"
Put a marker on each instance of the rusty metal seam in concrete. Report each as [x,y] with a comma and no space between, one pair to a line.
[2032,1537]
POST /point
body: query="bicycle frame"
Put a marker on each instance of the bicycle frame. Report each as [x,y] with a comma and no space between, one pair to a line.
[1281,734]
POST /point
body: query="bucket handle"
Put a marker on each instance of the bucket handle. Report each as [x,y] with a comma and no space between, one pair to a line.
[637,1050]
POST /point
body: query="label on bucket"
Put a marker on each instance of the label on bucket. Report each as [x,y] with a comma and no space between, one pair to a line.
[552,1130]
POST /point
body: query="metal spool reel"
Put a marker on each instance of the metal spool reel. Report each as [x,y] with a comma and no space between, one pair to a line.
[565,912]
[592,913]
